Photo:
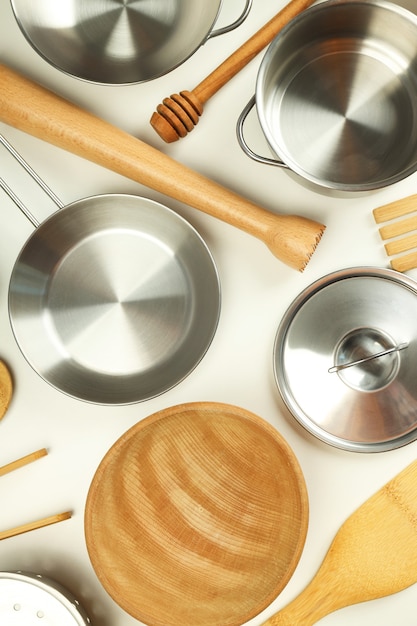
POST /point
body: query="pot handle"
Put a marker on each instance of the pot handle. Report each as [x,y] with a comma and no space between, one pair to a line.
[242,141]
[235,24]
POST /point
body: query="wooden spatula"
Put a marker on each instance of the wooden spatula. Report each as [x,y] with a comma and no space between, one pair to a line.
[401,233]
[374,554]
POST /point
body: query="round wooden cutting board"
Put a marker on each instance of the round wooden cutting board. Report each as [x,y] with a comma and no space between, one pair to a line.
[6,388]
[197,515]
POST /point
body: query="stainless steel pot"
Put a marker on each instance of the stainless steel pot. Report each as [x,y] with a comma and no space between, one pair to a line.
[113,299]
[336,95]
[119,41]
[345,359]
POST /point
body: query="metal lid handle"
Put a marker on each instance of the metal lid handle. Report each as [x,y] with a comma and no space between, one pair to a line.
[343,366]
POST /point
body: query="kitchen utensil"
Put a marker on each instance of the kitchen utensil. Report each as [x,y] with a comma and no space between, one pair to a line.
[178,114]
[119,41]
[6,388]
[39,112]
[29,599]
[41,523]
[396,228]
[46,521]
[345,359]
[374,554]
[336,96]
[29,458]
[113,299]
[197,514]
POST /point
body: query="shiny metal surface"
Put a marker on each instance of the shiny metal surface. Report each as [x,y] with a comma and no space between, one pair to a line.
[336,94]
[28,599]
[362,315]
[118,41]
[114,299]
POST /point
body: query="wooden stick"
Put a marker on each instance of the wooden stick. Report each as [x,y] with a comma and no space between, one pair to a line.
[29,458]
[404,263]
[395,228]
[395,209]
[178,115]
[46,521]
[398,228]
[401,245]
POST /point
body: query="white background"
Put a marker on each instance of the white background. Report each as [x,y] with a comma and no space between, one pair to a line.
[256,290]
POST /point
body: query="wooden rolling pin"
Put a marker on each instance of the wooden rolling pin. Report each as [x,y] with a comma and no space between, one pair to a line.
[43,114]
[374,554]
[179,114]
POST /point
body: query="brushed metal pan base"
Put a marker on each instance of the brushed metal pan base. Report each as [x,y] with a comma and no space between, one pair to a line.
[337,92]
[116,41]
[114,299]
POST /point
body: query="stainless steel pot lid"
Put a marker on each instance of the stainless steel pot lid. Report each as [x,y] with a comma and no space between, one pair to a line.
[345,359]
[28,599]
[114,299]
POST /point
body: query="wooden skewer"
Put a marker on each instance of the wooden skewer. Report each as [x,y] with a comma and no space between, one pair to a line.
[179,114]
[24,528]
[41,113]
[396,227]
[29,458]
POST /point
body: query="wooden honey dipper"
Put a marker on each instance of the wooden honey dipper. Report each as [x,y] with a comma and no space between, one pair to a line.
[179,114]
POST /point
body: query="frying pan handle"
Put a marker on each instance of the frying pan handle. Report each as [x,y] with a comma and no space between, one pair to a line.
[242,141]
[235,24]
[18,202]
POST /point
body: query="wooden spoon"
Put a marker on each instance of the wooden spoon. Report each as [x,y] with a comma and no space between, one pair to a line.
[179,114]
[41,113]
[374,554]
[6,388]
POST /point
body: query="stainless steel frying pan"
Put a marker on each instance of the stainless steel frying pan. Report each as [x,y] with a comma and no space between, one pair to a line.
[113,299]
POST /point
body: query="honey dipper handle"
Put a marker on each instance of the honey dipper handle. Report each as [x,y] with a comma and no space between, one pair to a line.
[248,51]
[41,113]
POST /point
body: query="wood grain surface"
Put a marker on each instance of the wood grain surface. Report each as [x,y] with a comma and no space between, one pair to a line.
[374,554]
[197,515]
[6,388]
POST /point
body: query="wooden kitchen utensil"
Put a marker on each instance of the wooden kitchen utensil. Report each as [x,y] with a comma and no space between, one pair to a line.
[374,554]
[24,460]
[6,388]
[178,114]
[39,112]
[395,230]
[197,515]
[40,523]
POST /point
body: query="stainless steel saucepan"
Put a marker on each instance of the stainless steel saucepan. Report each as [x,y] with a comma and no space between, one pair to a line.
[113,299]
[336,96]
[119,41]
